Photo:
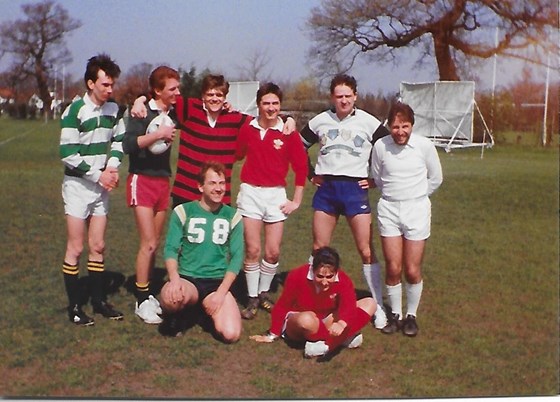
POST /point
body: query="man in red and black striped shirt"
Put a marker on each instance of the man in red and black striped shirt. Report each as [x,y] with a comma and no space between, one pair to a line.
[208,132]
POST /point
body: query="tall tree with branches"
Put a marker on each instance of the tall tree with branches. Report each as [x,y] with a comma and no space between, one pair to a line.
[37,43]
[449,31]
[133,84]
[255,66]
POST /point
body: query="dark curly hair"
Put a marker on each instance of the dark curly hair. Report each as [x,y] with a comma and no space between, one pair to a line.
[344,79]
[326,256]
[101,62]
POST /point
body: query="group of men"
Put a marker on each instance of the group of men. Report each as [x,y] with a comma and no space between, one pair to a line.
[208,241]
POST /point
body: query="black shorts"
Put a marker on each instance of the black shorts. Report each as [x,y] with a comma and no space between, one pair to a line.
[204,286]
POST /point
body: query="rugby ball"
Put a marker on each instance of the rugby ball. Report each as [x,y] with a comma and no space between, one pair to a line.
[160,146]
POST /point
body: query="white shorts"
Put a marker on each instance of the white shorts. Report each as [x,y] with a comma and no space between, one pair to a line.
[83,198]
[411,219]
[261,203]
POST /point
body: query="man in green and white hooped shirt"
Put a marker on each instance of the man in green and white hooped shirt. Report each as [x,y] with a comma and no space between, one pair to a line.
[203,255]
[89,126]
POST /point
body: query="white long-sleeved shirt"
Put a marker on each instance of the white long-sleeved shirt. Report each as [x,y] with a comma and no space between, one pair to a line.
[406,172]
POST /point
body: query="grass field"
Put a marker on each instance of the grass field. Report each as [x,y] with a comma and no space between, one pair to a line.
[488,318]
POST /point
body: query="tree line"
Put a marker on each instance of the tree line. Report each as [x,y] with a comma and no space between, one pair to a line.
[448,32]
[511,108]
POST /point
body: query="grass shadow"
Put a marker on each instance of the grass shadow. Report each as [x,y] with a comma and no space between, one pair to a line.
[112,281]
[178,323]
[329,356]
[298,345]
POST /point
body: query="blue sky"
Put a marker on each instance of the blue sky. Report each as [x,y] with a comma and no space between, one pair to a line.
[216,34]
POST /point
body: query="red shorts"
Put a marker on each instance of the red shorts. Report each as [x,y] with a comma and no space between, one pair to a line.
[147,191]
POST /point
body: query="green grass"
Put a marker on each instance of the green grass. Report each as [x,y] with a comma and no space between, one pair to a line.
[488,318]
[528,139]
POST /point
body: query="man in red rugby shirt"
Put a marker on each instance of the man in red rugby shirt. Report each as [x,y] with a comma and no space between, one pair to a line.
[262,199]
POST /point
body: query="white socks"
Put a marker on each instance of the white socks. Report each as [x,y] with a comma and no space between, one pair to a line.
[252,275]
[394,294]
[372,273]
[413,295]
[259,277]
[268,271]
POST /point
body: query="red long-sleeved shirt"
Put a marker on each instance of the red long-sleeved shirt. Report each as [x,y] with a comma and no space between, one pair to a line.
[267,160]
[300,294]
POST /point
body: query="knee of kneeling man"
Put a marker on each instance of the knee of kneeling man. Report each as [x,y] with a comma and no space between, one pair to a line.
[170,307]
[230,335]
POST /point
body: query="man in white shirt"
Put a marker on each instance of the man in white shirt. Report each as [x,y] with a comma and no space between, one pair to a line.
[407,170]
[345,136]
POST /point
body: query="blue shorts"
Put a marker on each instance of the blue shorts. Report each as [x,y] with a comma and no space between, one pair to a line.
[341,197]
[204,286]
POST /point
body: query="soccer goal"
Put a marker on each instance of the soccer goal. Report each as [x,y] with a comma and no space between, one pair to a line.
[242,95]
[444,111]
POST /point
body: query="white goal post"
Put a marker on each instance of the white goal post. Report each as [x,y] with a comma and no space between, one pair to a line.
[242,95]
[444,111]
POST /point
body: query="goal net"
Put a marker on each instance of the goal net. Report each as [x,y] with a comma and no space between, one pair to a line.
[445,112]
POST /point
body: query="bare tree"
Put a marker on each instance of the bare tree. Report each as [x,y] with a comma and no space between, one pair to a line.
[133,84]
[451,31]
[255,65]
[37,43]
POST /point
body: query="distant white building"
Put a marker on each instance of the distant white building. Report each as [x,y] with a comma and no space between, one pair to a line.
[35,101]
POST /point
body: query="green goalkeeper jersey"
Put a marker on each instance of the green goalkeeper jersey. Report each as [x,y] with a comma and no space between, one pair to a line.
[205,244]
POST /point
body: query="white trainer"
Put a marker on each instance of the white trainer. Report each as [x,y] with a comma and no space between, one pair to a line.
[156,304]
[354,342]
[147,312]
[315,349]
[380,318]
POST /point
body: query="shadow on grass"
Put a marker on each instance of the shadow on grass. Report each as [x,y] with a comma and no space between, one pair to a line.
[239,287]
[176,324]
[112,281]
